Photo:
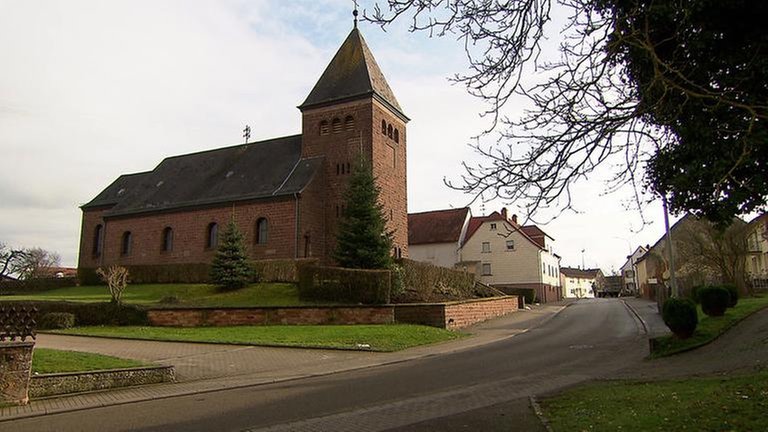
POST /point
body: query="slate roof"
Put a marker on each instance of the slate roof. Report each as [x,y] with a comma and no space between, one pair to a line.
[579,273]
[352,73]
[439,226]
[263,169]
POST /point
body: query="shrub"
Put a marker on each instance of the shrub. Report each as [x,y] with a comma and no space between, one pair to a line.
[344,285]
[116,278]
[170,299]
[695,293]
[56,320]
[734,293]
[90,314]
[680,316]
[427,282]
[714,300]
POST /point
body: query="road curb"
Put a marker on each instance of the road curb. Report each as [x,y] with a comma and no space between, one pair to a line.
[637,315]
[539,413]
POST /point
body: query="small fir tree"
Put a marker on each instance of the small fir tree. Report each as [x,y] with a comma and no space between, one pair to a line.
[363,241]
[230,268]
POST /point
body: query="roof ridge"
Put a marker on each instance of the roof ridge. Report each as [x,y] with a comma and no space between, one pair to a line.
[230,147]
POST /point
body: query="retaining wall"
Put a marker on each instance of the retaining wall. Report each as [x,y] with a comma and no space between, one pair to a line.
[77,382]
[455,315]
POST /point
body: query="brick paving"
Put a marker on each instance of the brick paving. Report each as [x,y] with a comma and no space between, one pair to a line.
[206,367]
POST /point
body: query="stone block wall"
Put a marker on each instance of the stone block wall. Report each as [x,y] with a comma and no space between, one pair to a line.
[298,315]
[455,315]
[15,371]
[77,382]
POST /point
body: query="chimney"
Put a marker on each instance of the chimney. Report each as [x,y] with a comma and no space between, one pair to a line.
[504,213]
[514,218]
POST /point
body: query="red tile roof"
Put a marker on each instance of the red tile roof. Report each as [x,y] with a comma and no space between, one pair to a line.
[439,226]
[535,233]
[579,273]
[476,222]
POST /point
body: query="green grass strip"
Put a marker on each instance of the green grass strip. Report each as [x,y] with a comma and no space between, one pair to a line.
[709,328]
[703,404]
[392,337]
[46,360]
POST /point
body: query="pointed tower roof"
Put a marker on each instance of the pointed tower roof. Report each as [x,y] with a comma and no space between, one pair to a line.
[353,73]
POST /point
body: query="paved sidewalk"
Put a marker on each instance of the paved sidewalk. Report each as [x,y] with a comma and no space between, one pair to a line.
[205,367]
[648,312]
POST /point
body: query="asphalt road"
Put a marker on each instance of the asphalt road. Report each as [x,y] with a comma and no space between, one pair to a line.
[477,389]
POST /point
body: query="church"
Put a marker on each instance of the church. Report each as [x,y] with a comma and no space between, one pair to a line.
[285,194]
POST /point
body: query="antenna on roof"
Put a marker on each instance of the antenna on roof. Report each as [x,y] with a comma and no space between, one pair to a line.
[354,12]
[247,133]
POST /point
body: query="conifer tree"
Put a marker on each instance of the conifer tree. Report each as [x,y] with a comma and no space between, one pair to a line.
[363,241]
[231,268]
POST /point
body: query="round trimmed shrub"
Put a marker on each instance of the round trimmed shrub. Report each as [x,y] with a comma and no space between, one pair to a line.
[680,316]
[56,320]
[695,293]
[734,292]
[714,300]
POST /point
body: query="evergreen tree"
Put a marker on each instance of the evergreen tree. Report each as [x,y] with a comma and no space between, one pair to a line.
[363,240]
[231,269]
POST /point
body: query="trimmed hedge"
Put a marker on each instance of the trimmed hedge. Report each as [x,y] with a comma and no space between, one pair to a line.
[90,314]
[280,270]
[734,293]
[681,316]
[714,300]
[427,282]
[21,287]
[344,285]
[56,320]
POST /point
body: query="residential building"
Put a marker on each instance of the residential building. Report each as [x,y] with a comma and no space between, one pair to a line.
[580,283]
[285,194]
[757,251]
[436,237]
[629,271]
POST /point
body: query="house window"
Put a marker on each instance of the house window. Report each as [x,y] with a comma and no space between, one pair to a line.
[510,245]
[262,231]
[486,269]
[486,247]
[98,239]
[336,125]
[167,239]
[389,130]
[493,227]
[349,123]
[383,127]
[126,243]
[212,237]
[324,130]
[397,136]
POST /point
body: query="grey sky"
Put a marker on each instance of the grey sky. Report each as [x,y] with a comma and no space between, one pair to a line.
[90,90]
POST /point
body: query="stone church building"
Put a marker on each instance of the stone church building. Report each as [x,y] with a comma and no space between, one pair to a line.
[285,193]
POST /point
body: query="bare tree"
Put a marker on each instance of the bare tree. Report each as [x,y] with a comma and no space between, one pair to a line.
[116,278]
[616,94]
[10,260]
[37,263]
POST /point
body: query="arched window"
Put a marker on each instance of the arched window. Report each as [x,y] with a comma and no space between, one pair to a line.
[349,123]
[262,231]
[324,127]
[383,127]
[167,239]
[336,125]
[389,131]
[397,136]
[212,237]
[98,239]
[126,243]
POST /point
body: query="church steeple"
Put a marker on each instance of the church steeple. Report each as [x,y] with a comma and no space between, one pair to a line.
[352,74]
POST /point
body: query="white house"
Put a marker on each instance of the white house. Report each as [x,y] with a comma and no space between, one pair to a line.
[496,248]
[629,271]
[578,283]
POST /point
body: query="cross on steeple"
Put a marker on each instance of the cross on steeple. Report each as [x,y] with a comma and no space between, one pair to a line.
[247,133]
[354,12]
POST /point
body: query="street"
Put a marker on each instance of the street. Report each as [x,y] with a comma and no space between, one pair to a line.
[587,340]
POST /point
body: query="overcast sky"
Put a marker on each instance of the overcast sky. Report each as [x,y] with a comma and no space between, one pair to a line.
[90,90]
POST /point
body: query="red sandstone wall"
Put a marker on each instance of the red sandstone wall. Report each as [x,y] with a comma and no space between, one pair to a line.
[189,234]
[455,315]
[272,315]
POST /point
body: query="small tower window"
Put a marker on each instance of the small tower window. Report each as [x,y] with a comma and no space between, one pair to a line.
[167,239]
[324,130]
[383,127]
[98,239]
[262,231]
[397,136]
[348,170]
[342,169]
[126,243]
[389,131]
[336,125]
[349,123]
[338,169]
[212,237]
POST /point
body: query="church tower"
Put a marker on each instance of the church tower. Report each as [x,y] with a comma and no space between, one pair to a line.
[352,110]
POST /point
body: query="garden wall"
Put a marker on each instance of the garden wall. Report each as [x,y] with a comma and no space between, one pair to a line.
[14,287]
[452,315]
[77,382]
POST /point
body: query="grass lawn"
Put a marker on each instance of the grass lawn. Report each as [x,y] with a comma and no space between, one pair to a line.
[260,294]
[709,327]
[393,337]
[46,360]
[703,404]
